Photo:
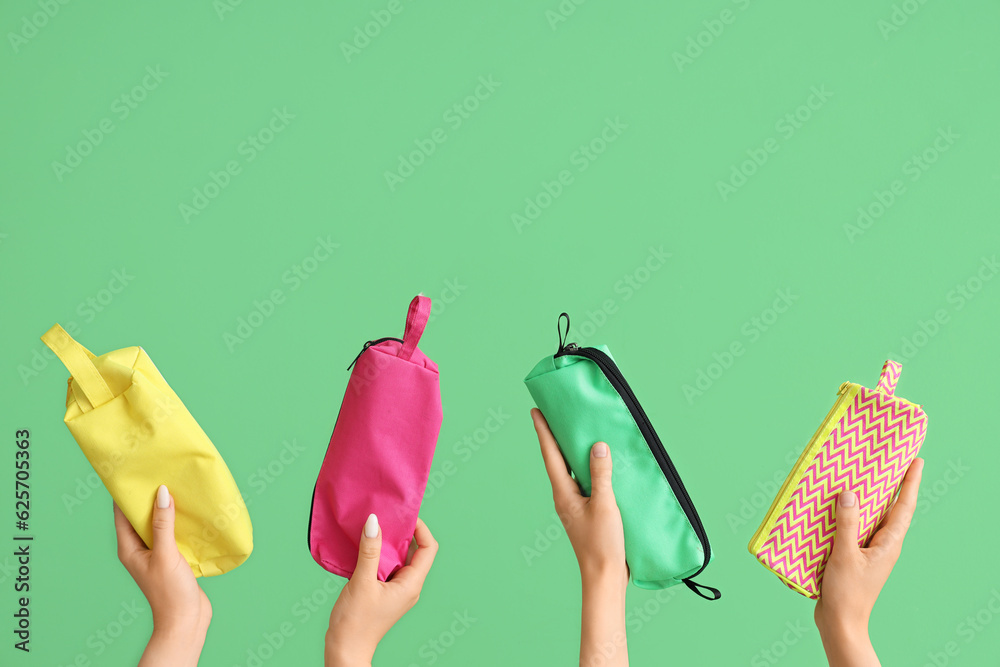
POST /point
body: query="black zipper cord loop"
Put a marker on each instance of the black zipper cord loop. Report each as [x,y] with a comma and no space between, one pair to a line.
[563,338]
[715,593]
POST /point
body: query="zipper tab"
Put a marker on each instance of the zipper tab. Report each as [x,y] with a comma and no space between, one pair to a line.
[563,336]
[709,593]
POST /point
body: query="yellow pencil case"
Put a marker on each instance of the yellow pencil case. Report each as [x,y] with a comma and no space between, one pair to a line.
[137,434]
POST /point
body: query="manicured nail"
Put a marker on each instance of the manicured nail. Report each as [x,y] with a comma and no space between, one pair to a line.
[848,499]
[371,526]
[600,450]
[162,497]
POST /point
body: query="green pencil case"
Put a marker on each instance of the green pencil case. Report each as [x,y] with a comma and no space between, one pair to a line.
[585,399]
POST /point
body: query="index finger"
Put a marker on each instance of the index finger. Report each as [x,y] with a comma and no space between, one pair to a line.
[555,464]
[898,522]
[427,547]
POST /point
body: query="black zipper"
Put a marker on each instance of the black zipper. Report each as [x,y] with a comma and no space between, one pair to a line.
[369,344]
[617,380]
[312,508]
[312,503]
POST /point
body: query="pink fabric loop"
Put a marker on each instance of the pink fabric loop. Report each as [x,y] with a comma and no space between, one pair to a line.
[416,320]
[890,376]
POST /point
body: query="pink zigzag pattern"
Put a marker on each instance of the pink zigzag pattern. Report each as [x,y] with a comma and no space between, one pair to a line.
[890,376]
[868,452]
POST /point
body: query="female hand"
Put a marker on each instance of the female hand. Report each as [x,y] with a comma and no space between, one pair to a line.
[854,576]
[181,610]
[367,607]
[594,527]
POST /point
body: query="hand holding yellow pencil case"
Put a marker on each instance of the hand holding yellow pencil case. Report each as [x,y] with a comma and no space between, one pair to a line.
[865,445]
[137,434]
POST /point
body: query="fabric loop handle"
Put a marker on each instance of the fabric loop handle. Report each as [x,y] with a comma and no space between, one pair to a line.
[80,363]
[416,320]
[889,377]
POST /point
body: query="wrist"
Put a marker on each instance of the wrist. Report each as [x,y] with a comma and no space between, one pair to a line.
[604,587]
[180,629]
[604,574]
[174,644]
[842,626]
[344,653]
[602,630]
[846,641]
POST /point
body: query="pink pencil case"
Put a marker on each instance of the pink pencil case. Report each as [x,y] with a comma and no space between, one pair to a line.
[380,453]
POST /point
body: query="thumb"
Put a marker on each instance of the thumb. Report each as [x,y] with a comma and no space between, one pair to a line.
[164,543]
[600,472]
[846,540]
[369,550]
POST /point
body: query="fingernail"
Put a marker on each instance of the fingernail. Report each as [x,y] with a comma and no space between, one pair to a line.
[600,450]
[162,497]
[848,499]
[371,526]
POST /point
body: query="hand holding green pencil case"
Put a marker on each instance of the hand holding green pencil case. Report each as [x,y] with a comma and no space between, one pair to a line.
[585,399]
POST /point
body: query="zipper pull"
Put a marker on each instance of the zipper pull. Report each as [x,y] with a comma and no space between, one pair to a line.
[563,336]
[709,592]
[366,346]
[843,388]
[373,342]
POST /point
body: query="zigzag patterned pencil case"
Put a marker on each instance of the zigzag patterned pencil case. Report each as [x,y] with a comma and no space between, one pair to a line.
[865,445]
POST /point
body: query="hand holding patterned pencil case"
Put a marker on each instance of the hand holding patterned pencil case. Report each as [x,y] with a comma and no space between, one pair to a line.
[865,445]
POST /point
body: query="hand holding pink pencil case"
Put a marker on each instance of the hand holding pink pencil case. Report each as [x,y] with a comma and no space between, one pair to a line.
[381,451]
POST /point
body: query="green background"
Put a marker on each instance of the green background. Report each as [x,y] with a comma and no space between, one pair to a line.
[859,294]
